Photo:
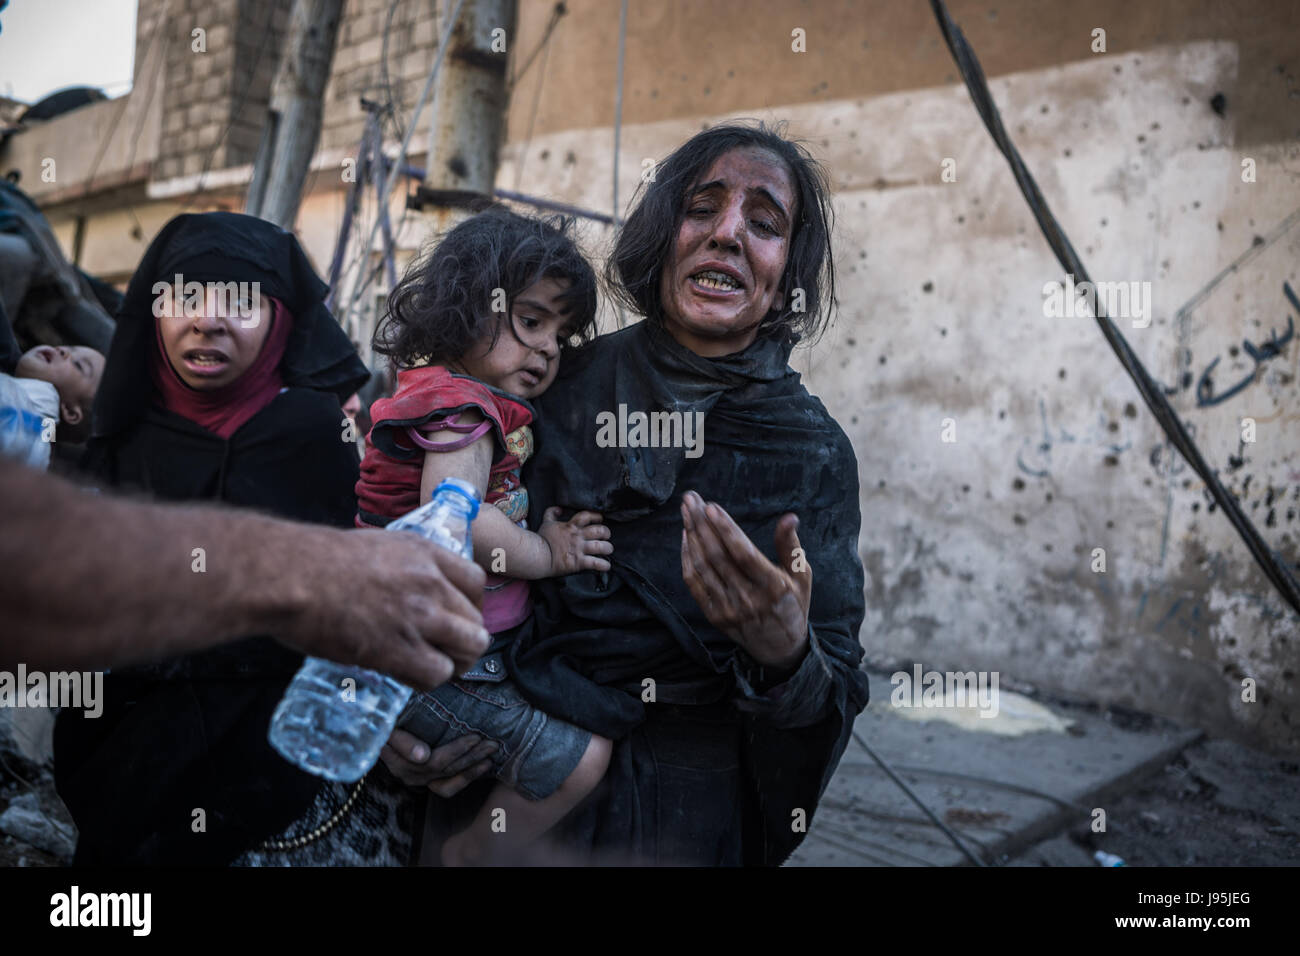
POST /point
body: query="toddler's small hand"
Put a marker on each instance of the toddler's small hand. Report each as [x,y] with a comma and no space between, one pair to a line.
[576,544]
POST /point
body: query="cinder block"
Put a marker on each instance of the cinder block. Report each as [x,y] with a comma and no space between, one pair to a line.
[220,34]
[173,122]
[212,88]
[369,50]
[168,167]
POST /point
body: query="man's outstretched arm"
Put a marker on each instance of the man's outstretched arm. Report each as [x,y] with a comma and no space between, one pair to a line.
[90,581]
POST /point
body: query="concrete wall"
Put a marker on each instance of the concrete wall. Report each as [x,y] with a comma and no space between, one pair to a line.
[979,551]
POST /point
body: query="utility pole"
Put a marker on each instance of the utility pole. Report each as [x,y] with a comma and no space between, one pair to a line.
[469,111]
[469,119]
[293,120]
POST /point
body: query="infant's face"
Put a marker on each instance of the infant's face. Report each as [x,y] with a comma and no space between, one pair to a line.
[74,370]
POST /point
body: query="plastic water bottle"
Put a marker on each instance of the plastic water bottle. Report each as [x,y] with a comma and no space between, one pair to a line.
[334,719]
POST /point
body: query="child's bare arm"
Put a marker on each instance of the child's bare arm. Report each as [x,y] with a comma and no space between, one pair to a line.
[500,545]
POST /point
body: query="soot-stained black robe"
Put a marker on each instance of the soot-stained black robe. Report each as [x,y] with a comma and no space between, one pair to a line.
[190,732]
[715,768]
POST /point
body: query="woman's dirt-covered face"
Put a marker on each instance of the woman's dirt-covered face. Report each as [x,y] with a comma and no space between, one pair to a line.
[724,272]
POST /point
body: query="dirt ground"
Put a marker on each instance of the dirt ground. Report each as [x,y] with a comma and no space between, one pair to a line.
[1216,804]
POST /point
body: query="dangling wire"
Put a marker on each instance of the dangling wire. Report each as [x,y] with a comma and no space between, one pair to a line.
[618,108]
[1272,564]
[618,129]
[395,172]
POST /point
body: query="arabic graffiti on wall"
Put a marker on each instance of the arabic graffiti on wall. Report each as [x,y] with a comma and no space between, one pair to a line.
[1206,395]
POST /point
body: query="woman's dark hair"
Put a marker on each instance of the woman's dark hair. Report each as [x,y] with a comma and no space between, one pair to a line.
[646,242]
[445,302]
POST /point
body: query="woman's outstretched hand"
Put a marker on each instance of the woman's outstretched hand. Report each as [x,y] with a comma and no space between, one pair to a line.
[761,606]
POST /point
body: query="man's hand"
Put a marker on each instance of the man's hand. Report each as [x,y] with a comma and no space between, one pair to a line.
[391,602]
[445,771]
[576,544]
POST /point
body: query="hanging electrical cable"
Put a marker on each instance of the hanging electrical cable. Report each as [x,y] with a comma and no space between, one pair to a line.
[1274,567]
[395,171]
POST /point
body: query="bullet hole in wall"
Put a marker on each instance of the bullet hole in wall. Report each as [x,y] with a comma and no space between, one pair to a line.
[1018,484]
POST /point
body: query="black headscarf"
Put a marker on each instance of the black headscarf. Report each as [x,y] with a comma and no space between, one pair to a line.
[190,732]
[224,247]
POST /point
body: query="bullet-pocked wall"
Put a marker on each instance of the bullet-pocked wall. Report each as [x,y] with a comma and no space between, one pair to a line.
[1022,511]
[1171,159]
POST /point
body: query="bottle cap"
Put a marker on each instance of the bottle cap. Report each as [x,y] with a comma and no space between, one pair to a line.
[462,488]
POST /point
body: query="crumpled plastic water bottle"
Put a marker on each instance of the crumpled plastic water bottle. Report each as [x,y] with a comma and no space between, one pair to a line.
[334,719]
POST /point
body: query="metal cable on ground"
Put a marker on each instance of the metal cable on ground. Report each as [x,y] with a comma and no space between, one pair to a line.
[1272,564]
[956,840]
[1033,792]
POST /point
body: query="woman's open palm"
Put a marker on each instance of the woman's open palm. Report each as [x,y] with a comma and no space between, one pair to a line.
[761,606]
